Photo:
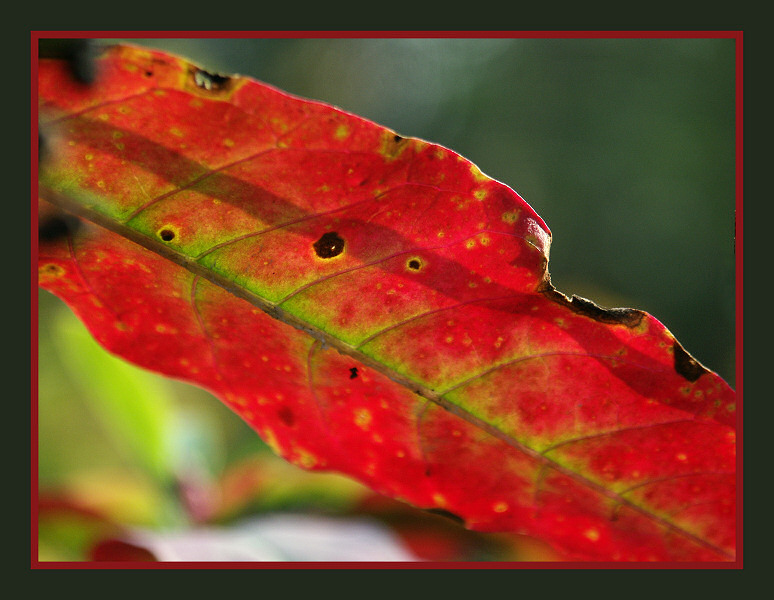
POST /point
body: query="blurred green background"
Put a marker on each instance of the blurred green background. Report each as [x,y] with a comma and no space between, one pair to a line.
[624,147]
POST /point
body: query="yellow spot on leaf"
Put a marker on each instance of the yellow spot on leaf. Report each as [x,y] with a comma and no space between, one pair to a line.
[228,142]
[305,458]
[363,418]
[271,440]
[500,507]
[681,456]
[510,217]
[591,534]
[50,271]
[176,132]
[342,131]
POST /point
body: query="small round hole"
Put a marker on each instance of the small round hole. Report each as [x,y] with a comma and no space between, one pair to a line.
[415,264]
[329,245]
[167,235]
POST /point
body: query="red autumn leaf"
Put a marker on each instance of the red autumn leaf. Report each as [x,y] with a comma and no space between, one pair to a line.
[375,305]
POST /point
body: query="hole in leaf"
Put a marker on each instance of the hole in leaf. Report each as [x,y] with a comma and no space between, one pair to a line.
[210,81]
[167,235]
[329,245]
[414,264]
[353,373]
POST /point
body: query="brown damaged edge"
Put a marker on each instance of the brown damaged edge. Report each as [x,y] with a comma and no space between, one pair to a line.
[630,317]
[686,365]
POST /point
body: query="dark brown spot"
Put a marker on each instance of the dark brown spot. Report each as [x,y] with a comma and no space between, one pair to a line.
[615,316]
[57,227]
[167,235]
[414,264]
[329,245]
[445,513]
[212,82]
[149,73]
[286,416]
[353,373]
[685,364]
[397,138]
